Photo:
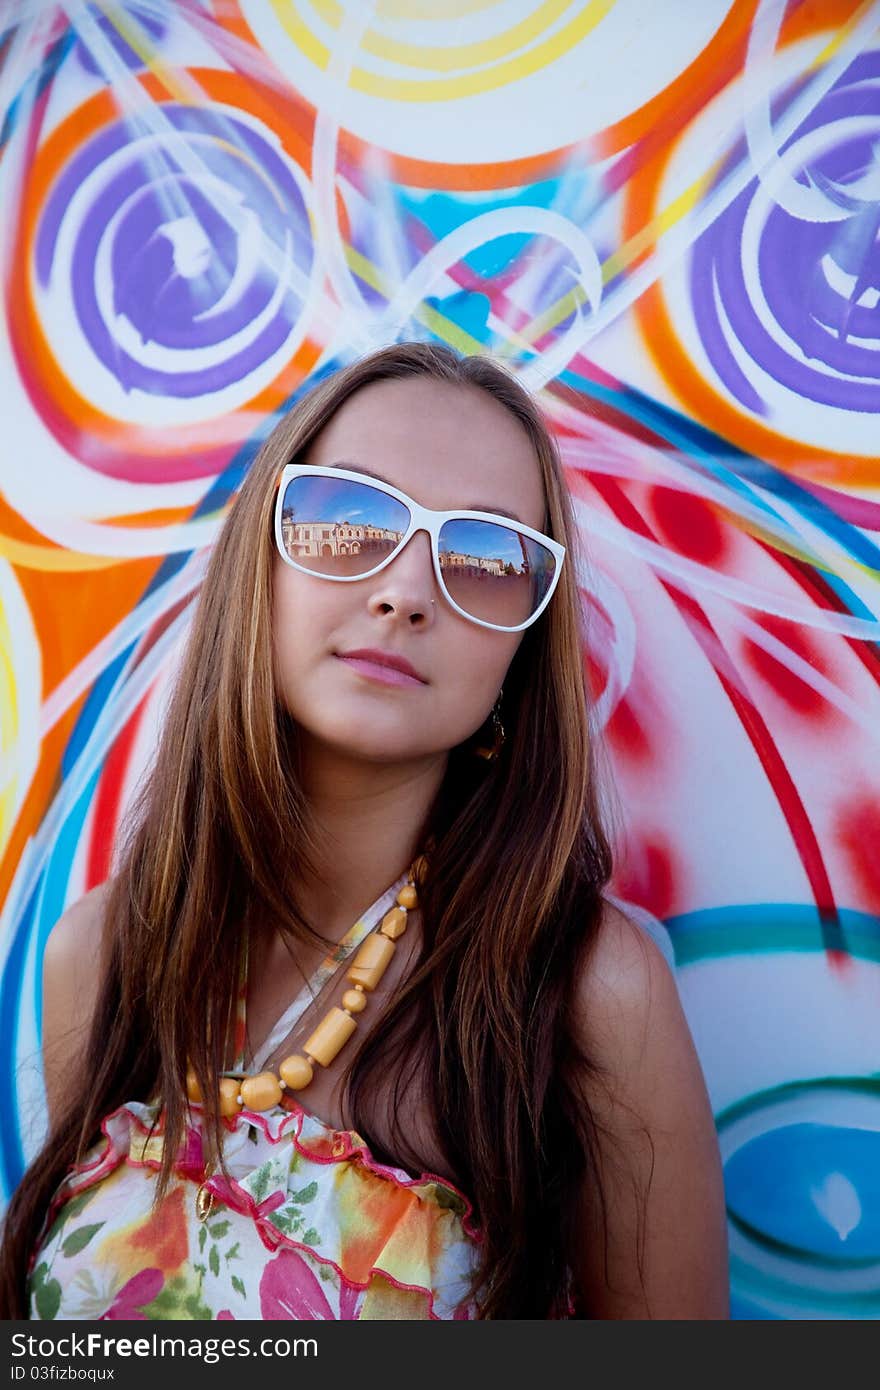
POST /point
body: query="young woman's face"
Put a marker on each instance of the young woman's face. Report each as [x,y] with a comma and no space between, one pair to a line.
[446,446]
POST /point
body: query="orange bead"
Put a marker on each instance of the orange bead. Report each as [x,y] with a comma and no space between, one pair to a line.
[261,1092]
[394,923]
[354,1001]
[330,1036]
[228,1095]
[371,961]
[296,1072]
[193,1089]
[408,897]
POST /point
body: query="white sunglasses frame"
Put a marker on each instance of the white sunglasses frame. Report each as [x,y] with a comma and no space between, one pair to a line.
[421,519]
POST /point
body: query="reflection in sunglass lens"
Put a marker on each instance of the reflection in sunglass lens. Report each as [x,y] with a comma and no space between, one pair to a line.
[336,527]
[494,572]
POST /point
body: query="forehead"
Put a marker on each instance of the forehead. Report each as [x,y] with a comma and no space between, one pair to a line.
[444,444]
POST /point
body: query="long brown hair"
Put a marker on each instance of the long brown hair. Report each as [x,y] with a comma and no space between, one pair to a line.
[219,835]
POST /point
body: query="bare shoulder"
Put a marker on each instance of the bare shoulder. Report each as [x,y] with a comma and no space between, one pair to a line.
[630,1019]
[78,931]
[658,1147]
[626,990]
[71,977]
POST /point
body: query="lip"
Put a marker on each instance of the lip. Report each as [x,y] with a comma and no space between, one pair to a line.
[387,667]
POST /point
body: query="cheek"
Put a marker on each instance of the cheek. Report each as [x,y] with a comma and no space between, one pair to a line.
[482,666]
[287,615]
[304,611]
[300,627]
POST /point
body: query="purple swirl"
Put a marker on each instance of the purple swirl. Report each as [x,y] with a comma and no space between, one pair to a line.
[205,235]
[812,274]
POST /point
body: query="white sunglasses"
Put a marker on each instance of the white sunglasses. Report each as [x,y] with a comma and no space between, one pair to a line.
[342,525]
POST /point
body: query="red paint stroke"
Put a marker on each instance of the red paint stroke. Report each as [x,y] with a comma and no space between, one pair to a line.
[647,875]
[857,831]
[108,798]
[800,697]
[781,782]
[112,782]
[598,633]
[689,524]
[161,625]
[824,596]
[627,733]
[596,674]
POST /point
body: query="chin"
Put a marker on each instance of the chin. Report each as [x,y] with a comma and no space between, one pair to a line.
[388,751]
[350,739]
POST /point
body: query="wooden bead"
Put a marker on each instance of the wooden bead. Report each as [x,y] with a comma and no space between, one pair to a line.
[296,1072]
[354,1001]
[265,1090]
[371,961]
[261,1092]
[394,923]
[329,1037]
[228,1095]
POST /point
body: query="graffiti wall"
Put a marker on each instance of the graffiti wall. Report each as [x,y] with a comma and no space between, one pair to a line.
[665,218]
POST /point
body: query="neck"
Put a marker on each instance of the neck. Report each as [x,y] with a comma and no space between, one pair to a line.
[365,819]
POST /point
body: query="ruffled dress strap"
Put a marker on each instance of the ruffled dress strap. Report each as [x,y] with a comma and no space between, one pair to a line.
[310,991]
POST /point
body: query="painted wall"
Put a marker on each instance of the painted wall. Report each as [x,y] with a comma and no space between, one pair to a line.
[666,217]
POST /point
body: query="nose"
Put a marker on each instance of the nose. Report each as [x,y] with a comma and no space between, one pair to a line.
[407,587]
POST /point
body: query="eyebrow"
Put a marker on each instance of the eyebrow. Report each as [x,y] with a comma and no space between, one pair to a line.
[471,507]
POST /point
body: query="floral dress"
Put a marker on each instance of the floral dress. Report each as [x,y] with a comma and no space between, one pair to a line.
[307,1226]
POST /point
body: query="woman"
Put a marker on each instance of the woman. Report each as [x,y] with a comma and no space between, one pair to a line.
[494,1109]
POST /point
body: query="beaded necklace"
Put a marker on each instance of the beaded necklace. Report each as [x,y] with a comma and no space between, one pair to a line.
[237,1091]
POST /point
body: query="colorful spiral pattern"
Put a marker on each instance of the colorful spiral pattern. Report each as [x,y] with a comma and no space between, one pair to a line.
[666,220]
[180,279]
[798,294]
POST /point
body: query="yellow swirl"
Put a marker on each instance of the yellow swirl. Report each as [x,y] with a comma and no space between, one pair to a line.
[465,84]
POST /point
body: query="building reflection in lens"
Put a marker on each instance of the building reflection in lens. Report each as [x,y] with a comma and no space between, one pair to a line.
[344,540]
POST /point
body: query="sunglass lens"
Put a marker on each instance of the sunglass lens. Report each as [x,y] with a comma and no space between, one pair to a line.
[334,526]
[493,572]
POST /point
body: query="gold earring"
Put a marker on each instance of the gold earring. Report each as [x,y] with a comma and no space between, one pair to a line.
[490,754]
